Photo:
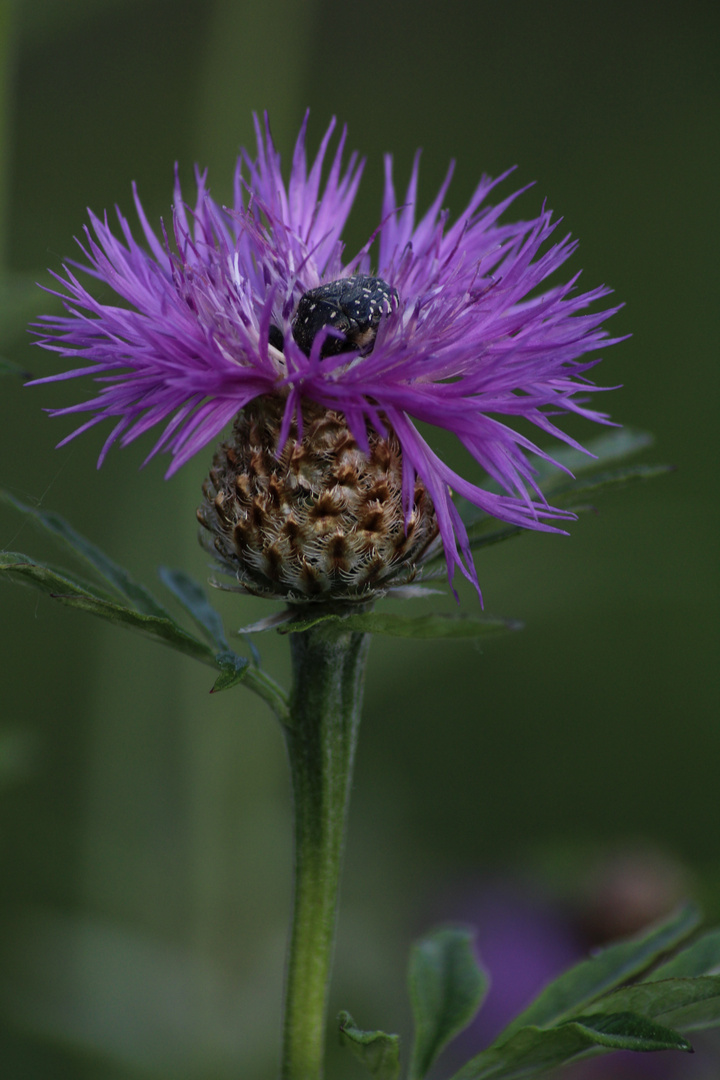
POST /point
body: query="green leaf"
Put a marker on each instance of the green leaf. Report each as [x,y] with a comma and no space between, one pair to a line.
[47,578]
[69,589]
[378,1052]
[114,574]
[409,626]
[306,622]
[63,587]
[192,597]
[703,1012]
[684,1003]
[564,494]
[484,530]
[602,972]
[534,1050]
[559,486]
[699,958]
[626,1031]
[233,669]
[447,987]
[613,445]
[530,1051]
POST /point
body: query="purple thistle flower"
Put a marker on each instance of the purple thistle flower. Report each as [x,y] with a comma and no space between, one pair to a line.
[467,341]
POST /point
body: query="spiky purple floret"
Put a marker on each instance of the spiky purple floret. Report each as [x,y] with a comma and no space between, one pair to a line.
[470,341]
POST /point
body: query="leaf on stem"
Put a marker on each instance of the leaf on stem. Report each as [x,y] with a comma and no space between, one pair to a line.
[627,1031]
[533,1050]
[484,530]
[378,1052]
[689,1004]
[86,551]
[602,972]
[233,669]
[192,597]
[447,987]
[68,590]
[613,445]
[564,488]
[410,626]
[702,957]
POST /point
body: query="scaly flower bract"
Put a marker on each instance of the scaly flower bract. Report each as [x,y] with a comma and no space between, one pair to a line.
[471,342]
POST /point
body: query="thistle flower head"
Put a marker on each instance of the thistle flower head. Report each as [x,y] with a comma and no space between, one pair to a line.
[446,323]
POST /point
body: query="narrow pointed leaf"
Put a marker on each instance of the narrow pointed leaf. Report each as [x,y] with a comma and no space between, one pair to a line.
[696,1016]
[114,574]
[62,587]
[486,533]
[533,1050]
[684,1003]
[68,589]
[45,577]
[627,1031]
[378,1052]
[564,492]
[431,626]
[298,625]
[447,987]
[233,669]
[48,578]
[614,445]
[700,958]
[602,972]
[410,626]
[530,1052]
[192,597]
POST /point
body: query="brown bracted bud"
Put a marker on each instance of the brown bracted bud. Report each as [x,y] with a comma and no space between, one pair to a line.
[321,521]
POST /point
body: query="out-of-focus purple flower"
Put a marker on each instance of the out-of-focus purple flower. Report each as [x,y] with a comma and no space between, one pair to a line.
[524,940]
[470,338]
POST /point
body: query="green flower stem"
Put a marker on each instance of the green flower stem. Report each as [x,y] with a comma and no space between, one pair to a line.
[328,674]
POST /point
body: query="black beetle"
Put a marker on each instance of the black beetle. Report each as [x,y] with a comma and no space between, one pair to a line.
[353,305]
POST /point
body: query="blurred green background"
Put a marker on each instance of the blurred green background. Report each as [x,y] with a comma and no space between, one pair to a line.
[145,843]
